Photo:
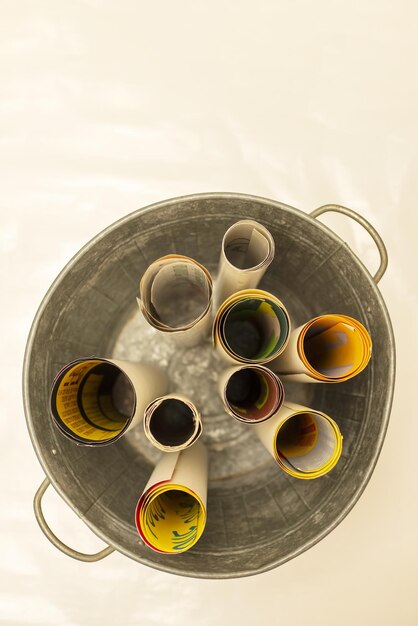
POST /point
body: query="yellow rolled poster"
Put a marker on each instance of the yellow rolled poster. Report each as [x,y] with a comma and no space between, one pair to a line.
[171,512]
[94,401]
[304,442]
[251,326]
[329,348]
[172,422]
[250,393]
[247,251]
[175,297]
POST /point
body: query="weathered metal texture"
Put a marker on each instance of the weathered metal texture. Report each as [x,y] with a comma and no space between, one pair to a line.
[258,516]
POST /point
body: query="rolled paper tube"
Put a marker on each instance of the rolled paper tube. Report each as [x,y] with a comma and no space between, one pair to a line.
[175,297]
[251,326]
[251,393]
[94,401]
[329,348]
[304,442]
[172,423]
[171,512]
[247,251]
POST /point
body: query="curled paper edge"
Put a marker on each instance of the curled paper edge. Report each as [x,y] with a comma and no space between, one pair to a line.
[222,312]
[188,468]
[267,433]
[231,278]
[292,364]
[193,333]
[223,382]
[148,412]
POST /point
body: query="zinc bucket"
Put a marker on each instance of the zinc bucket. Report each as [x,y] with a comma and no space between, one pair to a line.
[258,516]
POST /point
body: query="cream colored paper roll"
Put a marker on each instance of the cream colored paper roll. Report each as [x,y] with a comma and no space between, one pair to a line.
[172,422]
[252,326]
[247,251]
[250,393]
[171,512]
[304,442]
[95,401]
[329,348]
[175,297]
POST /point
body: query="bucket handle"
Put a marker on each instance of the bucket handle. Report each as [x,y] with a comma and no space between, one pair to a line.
[336,208]
[80,556]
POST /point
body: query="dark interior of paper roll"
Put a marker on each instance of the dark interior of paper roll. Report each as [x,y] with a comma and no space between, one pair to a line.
[243,388]
[172,422]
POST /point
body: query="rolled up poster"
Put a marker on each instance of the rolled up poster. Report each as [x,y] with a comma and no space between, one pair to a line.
[328,349]
[251,326]
[171,512]
[175,297]
[247,251]
[172,422]
[94,401]
[250,393]
[304,442]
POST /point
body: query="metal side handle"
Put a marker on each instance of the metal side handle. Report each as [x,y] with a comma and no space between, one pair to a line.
[80,556]
[336,208]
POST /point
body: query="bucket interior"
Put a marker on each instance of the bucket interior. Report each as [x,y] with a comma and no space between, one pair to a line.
[258,516]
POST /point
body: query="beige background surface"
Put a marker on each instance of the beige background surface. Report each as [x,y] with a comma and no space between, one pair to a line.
[108,106]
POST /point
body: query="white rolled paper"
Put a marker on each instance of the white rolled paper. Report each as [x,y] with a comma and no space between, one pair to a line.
[171,512]
[175,297]
[247,251]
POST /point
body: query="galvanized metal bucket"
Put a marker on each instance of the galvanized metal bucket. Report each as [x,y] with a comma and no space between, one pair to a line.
[258,516]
